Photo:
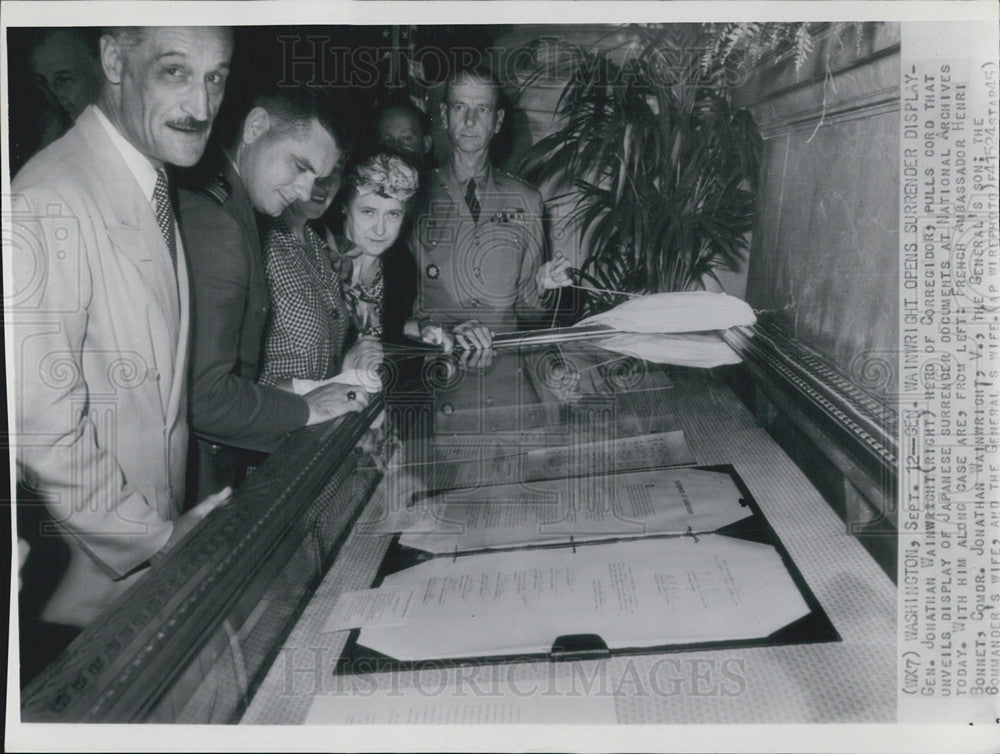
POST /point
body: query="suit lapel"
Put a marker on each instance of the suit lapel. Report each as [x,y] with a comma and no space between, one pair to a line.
[240,207]
[135,236]
[180,365]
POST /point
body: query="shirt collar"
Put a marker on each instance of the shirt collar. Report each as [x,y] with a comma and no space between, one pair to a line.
[138,163]
[482,178]
[232,162]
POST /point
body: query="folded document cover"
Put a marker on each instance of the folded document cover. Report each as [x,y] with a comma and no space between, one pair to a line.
[724,579]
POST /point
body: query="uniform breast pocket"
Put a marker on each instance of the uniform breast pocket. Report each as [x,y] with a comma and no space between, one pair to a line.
[496,272]
[440,230]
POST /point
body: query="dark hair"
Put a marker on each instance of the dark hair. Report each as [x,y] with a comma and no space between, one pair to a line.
[87,36]
[479,73]
[423,122]
[293,108]
[34,123]
[130,36]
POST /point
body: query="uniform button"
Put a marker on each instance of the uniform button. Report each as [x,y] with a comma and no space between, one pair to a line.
[477,272]
[489,400]
[448,409]
[153,374]
[475,303]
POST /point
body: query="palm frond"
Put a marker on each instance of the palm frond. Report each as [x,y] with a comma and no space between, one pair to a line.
[660,170]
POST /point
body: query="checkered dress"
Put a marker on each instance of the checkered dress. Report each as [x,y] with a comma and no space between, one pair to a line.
[304,336]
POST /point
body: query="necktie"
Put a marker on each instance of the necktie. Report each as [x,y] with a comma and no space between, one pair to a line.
[165,214]
[472,201]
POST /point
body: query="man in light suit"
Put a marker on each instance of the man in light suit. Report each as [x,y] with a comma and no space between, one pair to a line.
[99,314]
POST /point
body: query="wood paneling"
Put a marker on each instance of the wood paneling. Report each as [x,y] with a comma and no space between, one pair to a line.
[824,262]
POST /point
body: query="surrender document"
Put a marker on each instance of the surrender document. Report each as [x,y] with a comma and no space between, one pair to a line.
[622,454]
[664,501]
[636,593]
[493,463]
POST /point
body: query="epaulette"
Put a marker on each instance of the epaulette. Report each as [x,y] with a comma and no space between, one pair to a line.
[218,189]
[498,173]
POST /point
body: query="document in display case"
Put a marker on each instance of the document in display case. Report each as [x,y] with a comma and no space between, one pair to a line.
[701,568]
[496,463]
[612,506]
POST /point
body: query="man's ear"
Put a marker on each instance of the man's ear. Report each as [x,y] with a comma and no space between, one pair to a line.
[428,144]
[112,58]
[444,114]
[500,114]
[256,124]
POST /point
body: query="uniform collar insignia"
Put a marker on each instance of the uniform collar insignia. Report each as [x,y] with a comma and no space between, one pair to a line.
[219,189]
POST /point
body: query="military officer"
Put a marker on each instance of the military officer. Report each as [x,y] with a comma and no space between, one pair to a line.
[478,241]
[286,142]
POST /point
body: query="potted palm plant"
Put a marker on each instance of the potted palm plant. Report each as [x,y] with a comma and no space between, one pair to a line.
[659,168]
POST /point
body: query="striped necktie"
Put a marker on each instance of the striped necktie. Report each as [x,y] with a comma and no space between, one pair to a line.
[472,201]
[165,214]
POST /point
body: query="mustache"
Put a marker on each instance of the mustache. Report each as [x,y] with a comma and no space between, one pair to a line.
[190,124]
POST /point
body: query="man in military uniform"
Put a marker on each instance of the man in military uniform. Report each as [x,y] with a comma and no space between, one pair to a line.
[285,143]
[478,241]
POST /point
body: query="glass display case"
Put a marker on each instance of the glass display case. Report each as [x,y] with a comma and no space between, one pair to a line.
[233,625]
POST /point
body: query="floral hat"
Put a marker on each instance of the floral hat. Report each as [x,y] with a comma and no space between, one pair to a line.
[386,175]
